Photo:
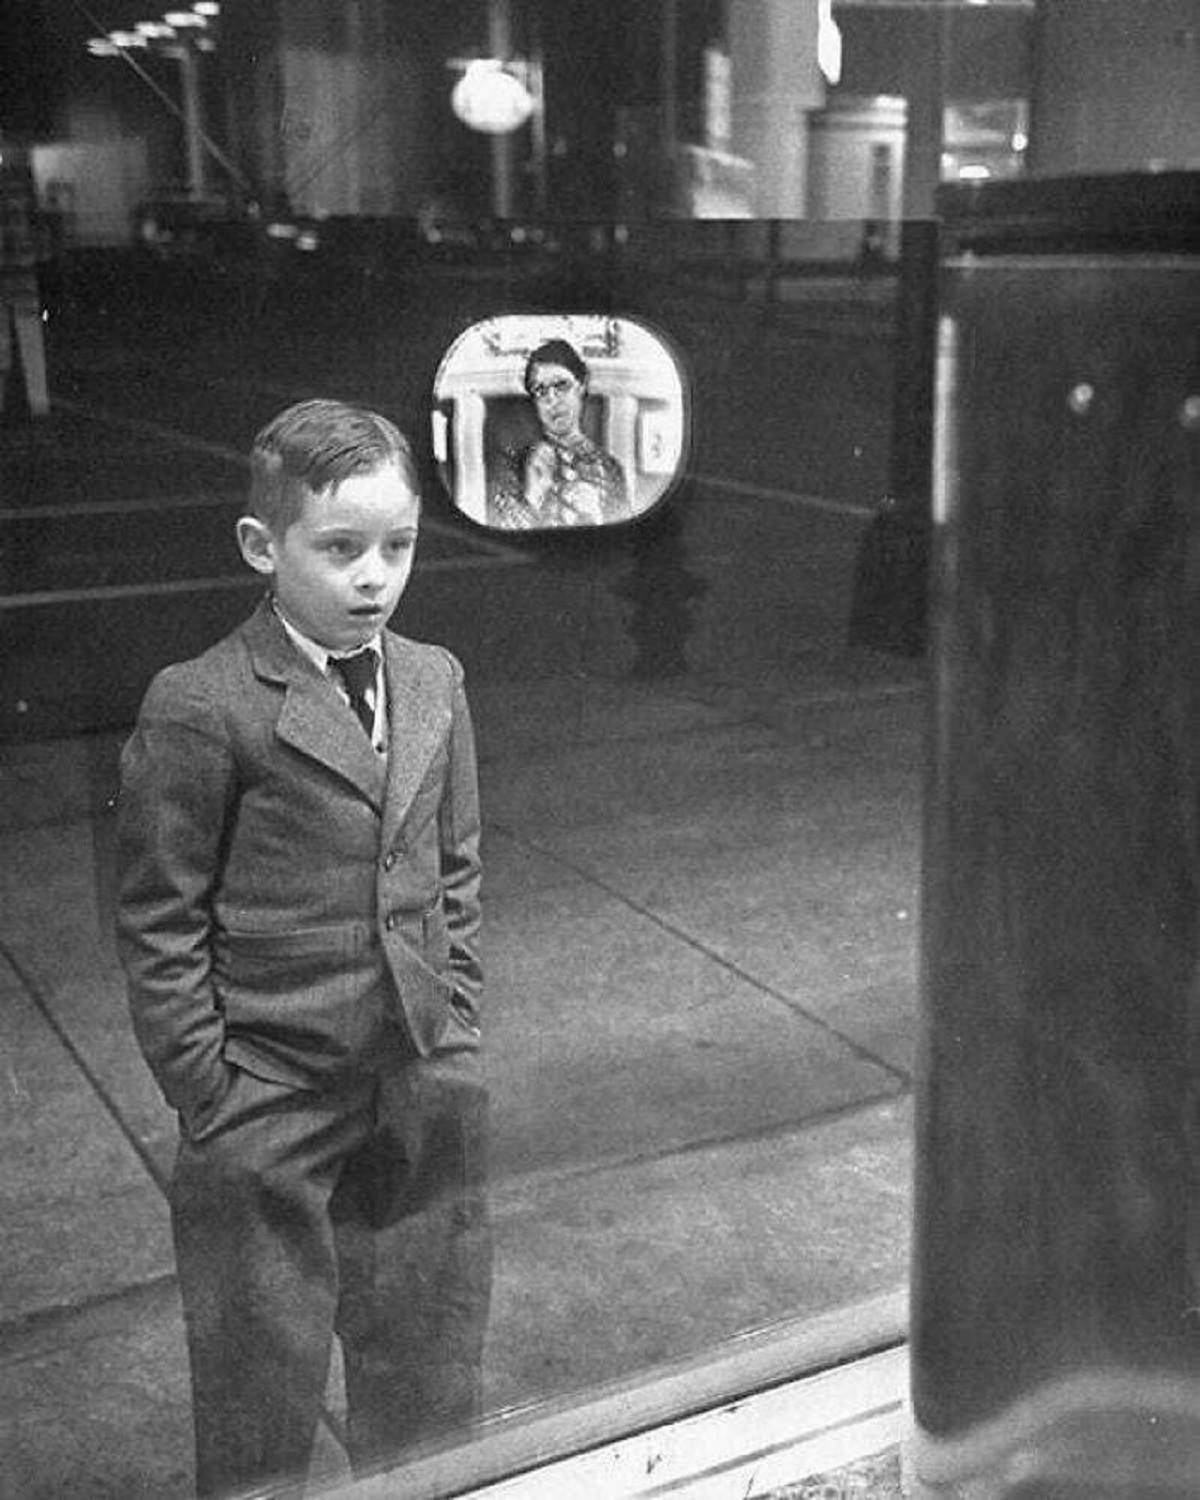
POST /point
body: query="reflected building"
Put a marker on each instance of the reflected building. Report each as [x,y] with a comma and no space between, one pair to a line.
[845,111]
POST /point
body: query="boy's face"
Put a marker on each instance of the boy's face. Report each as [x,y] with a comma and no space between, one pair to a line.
[339,569]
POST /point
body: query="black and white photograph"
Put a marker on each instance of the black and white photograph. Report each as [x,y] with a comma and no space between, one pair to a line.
[600,750]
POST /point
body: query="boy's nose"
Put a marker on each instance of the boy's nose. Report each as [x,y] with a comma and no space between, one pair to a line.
[372,575]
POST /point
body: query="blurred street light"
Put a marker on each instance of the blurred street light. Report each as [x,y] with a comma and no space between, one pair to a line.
[829,42]
[497,95]
[491,96]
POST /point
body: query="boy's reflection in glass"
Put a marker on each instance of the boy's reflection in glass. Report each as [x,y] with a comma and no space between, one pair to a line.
[562,478]
[661,589]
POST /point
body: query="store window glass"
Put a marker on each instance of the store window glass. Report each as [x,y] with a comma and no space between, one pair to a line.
[701,700]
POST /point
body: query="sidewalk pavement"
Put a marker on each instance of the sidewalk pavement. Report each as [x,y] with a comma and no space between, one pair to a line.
[701,914]
[770,1181]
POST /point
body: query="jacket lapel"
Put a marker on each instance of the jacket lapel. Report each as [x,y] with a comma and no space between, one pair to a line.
[313,719]
[417,724]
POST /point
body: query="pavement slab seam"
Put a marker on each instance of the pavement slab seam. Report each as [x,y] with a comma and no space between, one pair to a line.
[170,435]
[646,736]
[516,1181]
[478,538]
[681,935]
[741,490]
[32,1334]
[38,999]
[748,711]
[15,1332]
[87,509]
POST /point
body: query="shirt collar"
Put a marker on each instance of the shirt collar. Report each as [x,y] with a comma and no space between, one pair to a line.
[320,655]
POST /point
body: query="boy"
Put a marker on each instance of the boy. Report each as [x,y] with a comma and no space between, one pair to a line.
[298,920]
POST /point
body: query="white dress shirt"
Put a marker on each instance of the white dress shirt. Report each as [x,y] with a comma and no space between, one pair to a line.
[321,657]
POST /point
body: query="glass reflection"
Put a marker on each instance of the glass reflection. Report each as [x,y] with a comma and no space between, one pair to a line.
[661,590]
[702,817]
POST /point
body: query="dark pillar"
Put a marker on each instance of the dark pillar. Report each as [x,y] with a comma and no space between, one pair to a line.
[889,607]
[1053,1351]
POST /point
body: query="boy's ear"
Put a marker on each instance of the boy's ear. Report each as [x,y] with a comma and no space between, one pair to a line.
[256,543]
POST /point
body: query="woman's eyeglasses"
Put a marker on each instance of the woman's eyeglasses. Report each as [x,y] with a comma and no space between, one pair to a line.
[541,389]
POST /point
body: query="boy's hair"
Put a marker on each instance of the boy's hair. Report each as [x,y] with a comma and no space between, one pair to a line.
[555,352]
[314,445]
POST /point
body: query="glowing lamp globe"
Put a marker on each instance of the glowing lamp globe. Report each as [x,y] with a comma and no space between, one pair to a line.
[489,99]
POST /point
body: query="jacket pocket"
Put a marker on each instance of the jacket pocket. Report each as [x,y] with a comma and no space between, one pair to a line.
[435,940]
[306,999]
[418,952]
[241,947]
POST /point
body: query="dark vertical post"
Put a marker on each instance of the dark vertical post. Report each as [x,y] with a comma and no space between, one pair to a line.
[500,45]
[774,262]
[889,608]
[925,96]
[890,595]
[910,469]
[537,127]
[669,118]
[192,113]
[1053,1351]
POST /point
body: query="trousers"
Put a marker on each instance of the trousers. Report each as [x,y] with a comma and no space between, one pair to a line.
[360,1211]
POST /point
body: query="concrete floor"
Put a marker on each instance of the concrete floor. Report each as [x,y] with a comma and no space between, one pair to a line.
[701,907]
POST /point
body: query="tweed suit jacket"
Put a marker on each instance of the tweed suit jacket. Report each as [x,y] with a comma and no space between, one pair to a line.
[286,895]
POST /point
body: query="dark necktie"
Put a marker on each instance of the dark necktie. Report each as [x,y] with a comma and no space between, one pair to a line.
[358,673]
